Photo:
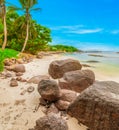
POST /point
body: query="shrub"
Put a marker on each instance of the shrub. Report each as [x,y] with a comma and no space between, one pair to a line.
[7,53]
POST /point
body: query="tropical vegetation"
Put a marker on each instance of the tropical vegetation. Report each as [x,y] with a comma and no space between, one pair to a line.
[22,33]
[3,20]
[26,6]
[39,36]
[65,48]
[7,53]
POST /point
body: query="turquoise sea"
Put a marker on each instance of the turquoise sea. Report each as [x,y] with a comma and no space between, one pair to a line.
[104,63]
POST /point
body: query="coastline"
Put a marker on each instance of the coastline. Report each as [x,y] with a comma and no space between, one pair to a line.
[16,116]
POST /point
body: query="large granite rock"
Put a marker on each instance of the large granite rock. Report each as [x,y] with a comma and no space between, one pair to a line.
[49,90]
[77,80]
[51,122]
[59,67]
[98,106]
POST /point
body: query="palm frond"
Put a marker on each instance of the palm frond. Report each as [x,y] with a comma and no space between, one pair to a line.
[28,4]
[13,8]
[32,3]
[23,3]
[35,9]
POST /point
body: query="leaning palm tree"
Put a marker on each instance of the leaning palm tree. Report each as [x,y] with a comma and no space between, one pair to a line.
[27,6]
[3,17]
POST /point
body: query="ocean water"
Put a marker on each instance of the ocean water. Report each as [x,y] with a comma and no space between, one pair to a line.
[105,63]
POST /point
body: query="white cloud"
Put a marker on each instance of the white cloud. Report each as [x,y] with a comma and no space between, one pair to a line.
[82,45]
[115,32]
[71,27]
[85,31]
[75,29]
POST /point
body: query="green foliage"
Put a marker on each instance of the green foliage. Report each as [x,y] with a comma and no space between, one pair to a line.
[1,60]
[64,48]
[7,53]
[27,6]
[39,36]
[1,26]
[1,31]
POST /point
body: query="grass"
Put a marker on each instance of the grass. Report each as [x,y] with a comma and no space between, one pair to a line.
[7,53]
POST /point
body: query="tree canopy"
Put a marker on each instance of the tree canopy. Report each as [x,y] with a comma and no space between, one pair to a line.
[39,36]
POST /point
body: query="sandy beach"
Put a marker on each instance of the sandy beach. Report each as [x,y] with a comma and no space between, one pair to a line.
[17,112]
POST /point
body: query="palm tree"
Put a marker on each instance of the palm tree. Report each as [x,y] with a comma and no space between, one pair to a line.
[27,6]
[3,16]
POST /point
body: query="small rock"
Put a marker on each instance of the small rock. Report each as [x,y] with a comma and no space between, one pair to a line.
[85,65]
[49,90]
[30,89]
[19,68]
[39,56]
[19,74]
[19,78]
[9,68]
[23,92]
[23,80]
[18,102]
[7,62]
[62,105]
[52,109]
[20,61]
[8,75]
[51,122]
[68,95]
[13,82]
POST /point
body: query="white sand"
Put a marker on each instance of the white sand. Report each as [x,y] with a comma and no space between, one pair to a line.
[17,111]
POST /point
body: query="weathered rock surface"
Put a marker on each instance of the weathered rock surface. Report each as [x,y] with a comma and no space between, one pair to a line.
[77,80]
[51,122]
[18,68]
[37,79]
[62,105]
[98,106]
[49,90]
[68,95]
[59,67]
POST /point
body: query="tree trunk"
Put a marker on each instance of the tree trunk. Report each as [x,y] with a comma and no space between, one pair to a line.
[5,29]
[27,35]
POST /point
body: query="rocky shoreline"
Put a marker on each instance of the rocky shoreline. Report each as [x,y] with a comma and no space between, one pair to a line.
[30,90]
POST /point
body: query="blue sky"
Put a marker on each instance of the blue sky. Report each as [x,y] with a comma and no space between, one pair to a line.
[86,24]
